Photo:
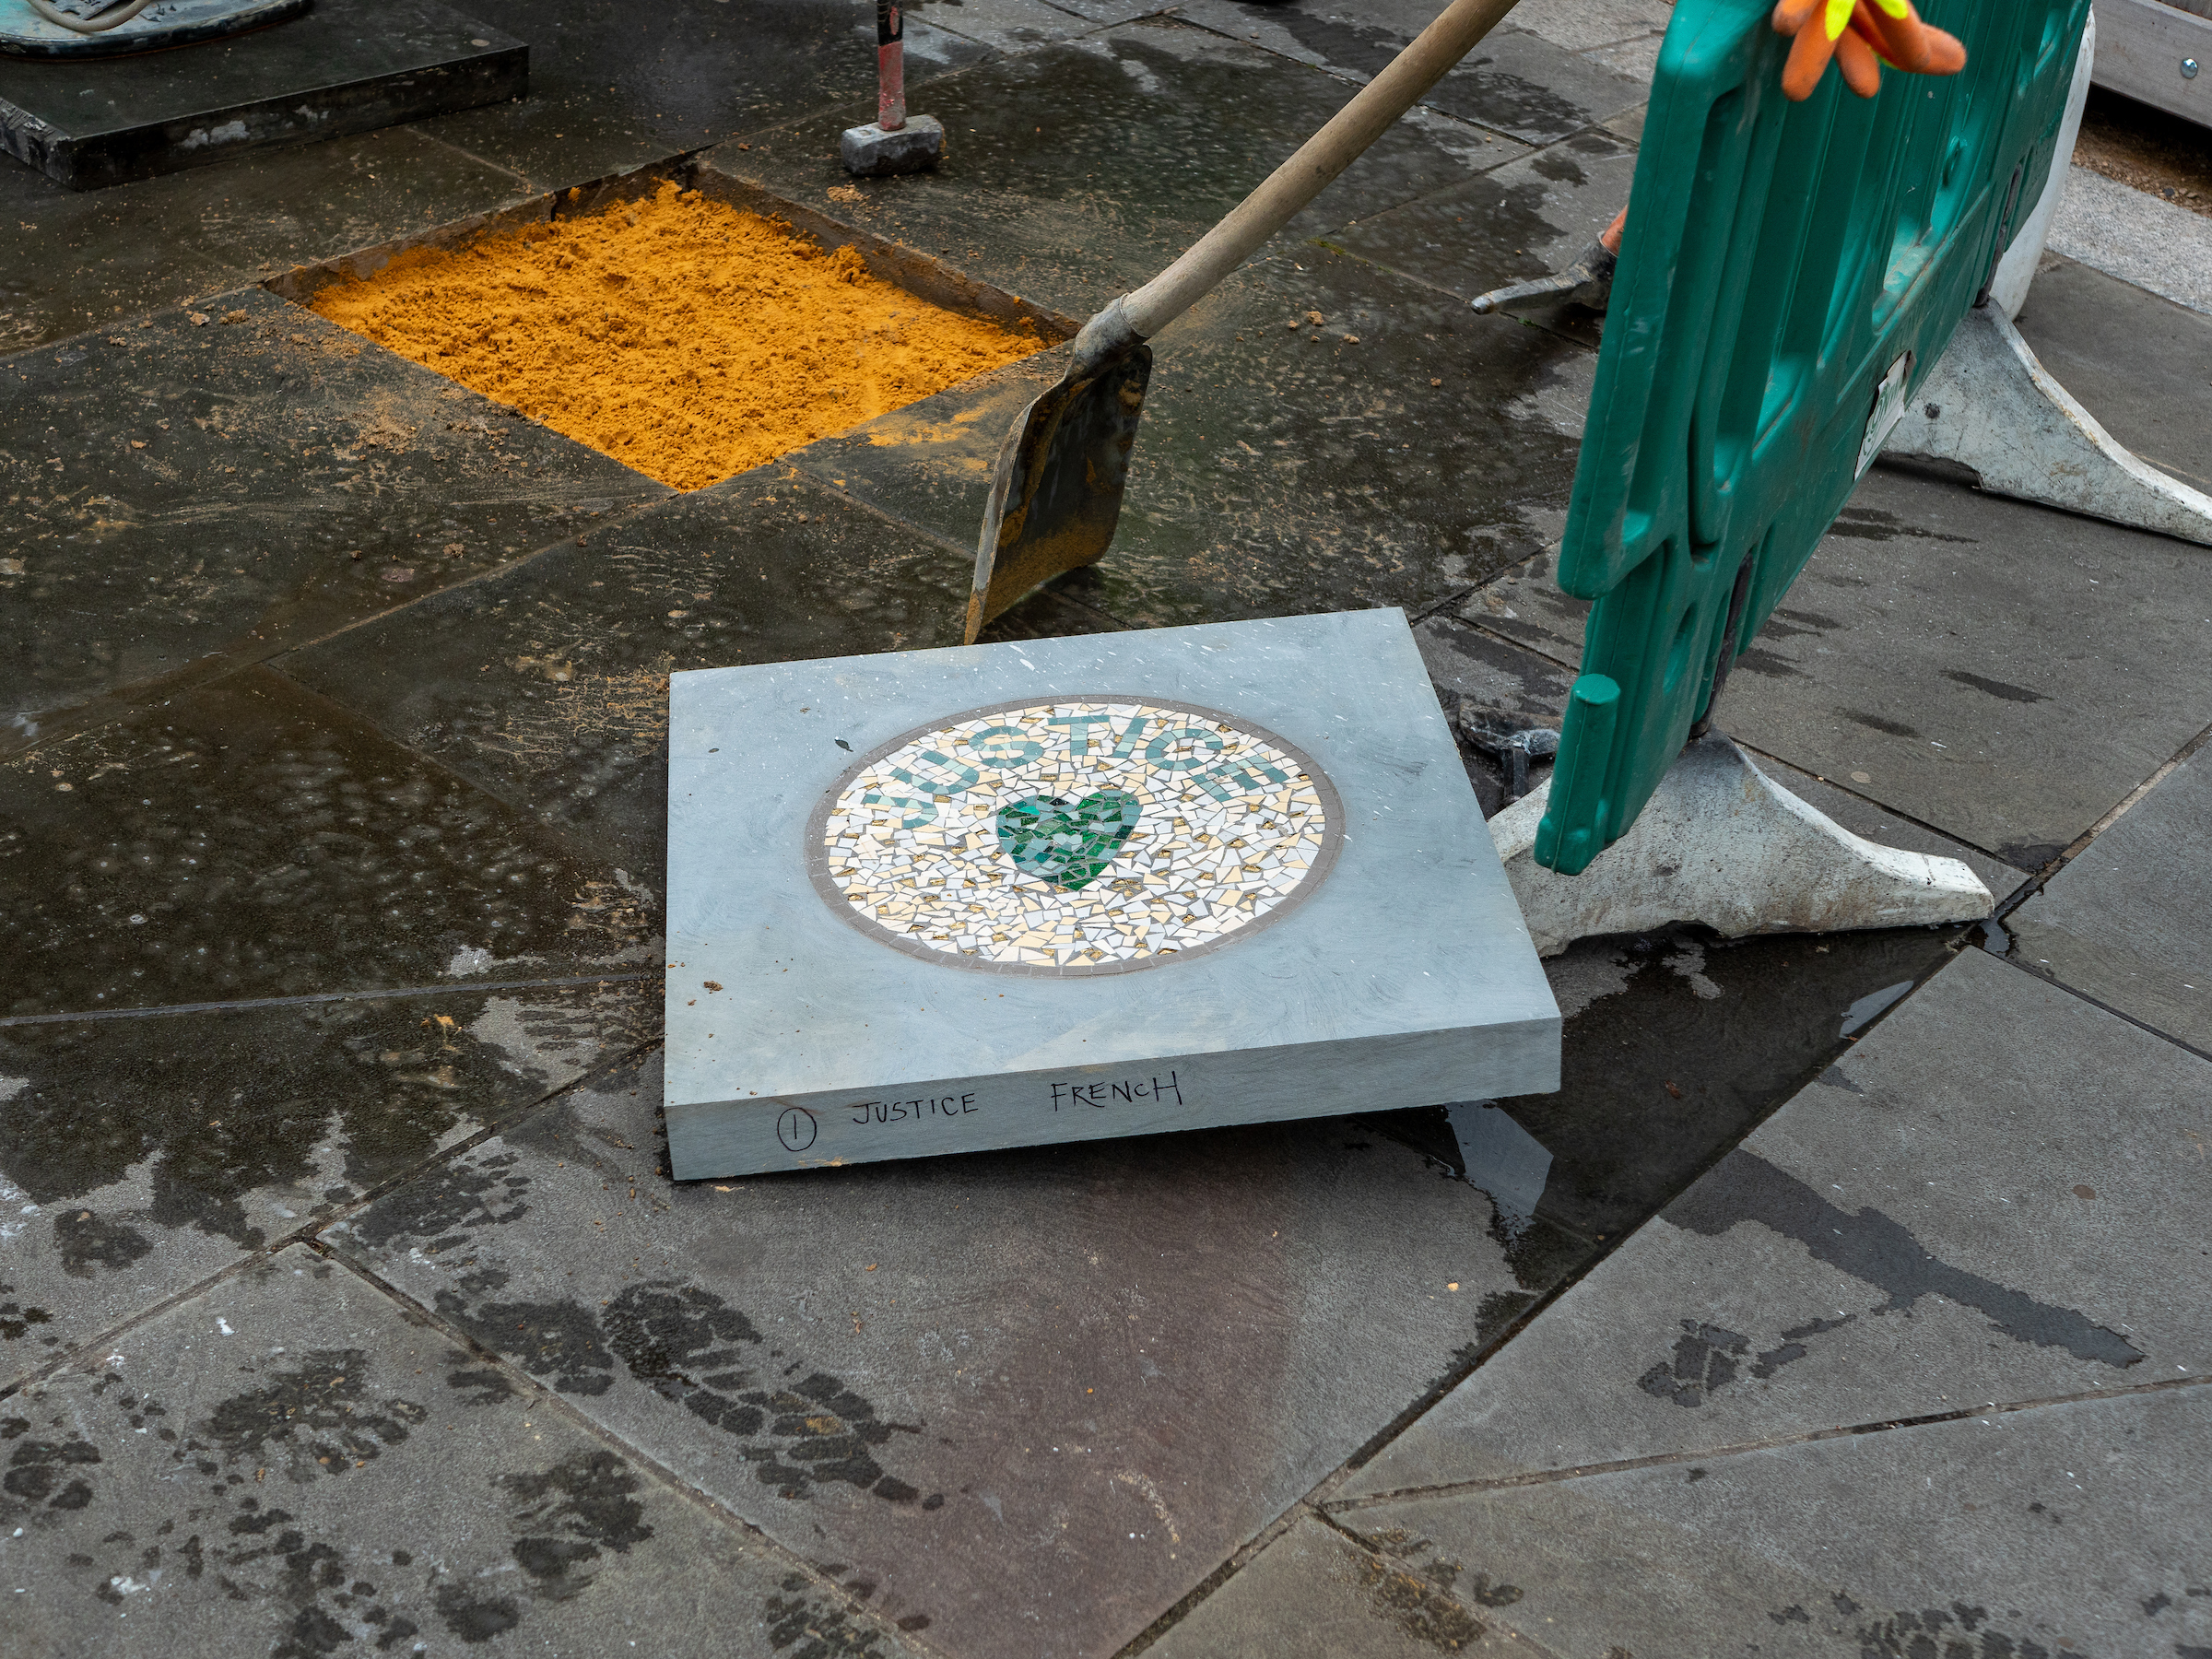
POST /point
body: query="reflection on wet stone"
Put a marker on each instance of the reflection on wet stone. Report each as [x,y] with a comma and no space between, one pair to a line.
[1705,1359]
[85,1242]
[140,1155]
[249,841]
[1870,1246]
[377,1493]
[233,487]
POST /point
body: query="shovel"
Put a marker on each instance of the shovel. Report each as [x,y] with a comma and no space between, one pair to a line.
[1057,492]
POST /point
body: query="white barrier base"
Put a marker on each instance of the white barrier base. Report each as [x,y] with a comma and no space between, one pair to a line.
[1722,844]
[1991,407]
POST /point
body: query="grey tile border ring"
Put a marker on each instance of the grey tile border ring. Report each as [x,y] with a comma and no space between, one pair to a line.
[817,860]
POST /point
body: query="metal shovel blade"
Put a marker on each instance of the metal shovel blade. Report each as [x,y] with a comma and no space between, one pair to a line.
[1057,492]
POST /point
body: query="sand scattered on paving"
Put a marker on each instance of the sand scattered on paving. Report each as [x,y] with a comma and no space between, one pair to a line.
[687,338]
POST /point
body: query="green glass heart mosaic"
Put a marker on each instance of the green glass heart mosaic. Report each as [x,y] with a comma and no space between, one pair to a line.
[1067,843]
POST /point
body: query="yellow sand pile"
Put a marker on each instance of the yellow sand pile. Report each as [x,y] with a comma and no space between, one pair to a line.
[686,338]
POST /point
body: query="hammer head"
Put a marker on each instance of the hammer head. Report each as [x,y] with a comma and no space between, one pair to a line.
[871,152]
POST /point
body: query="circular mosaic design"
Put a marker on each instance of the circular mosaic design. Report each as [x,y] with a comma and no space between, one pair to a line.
[1083,835]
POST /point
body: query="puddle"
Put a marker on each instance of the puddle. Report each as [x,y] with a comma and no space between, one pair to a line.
[1871,1007]
[1503,1159]
[688,337]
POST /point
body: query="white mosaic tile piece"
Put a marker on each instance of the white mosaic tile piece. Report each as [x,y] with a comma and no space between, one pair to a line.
[1233,826]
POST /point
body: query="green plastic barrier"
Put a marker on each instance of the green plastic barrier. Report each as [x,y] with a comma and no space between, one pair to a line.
[1789,276]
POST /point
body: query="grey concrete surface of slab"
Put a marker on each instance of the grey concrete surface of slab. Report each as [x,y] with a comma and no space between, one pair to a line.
[338,67]
[249,839]
[1581,25]
[1314,1593]
[2129,918]
[1676,1045]
[288,1463]
[1001,25]
[1526,219]
[139,1156]
[2135,237]
[1514,81]
[186,496]
[1980,1202]
[1940,652]
[2069,1529]
[80,259]
[547,687]
[1078,170]
[1034,1397]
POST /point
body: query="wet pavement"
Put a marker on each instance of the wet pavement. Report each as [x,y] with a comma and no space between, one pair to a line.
[1846,1299]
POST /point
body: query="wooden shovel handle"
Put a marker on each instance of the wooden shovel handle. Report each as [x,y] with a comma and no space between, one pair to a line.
[1317,162]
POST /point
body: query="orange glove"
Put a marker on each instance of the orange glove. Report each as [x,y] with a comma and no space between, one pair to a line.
[1860,35]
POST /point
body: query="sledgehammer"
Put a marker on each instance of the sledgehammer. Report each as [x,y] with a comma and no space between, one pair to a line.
[894,142]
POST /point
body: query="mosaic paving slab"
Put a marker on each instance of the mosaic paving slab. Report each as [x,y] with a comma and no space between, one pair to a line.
[1205,829]
[1063,889]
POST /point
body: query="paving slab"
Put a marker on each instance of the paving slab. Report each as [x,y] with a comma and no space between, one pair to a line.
[249,839]
[547,684]
[1628,124]
[1580,25]
[1110,11]
[931,462]
[80,259]
[188,496]
[1636,60]
[1980,1202]
[1524,604]
[1004,25]
[2135,237]
[2140,364]
[1316,1593]
[1278,473]
[286,1463]
[1033,1396]
[1152,1021]
[1052,612]
[1079,171]
[1494,674]
[337,67]
[1528,219]
[1280,470]
[1944,651]
[613,86]
[140,1155]
[2129,918]
[1514,81]
[1676,1045]
[2072,1529]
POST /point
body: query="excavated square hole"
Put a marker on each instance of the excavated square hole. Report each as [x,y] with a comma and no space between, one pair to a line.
[687,326]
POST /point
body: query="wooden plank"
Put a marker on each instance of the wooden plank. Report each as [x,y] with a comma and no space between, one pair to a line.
[2141,45]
